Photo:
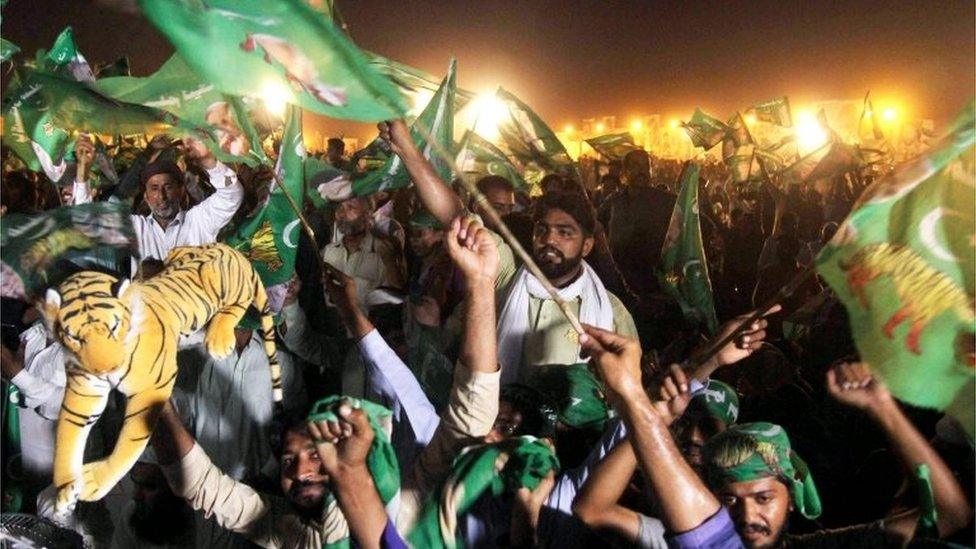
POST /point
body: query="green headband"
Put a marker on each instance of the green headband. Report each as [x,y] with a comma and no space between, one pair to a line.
[753,451]
[424,219]
[576,392]
[716,400]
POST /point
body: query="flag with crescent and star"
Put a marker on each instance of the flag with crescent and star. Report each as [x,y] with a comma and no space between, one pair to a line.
[269,238]
[903,264]
[684,269]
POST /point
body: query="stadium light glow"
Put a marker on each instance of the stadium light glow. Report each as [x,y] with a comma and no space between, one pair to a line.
[568,128]
[600,127]
[750,119]
[636,125]
[889,114]
[809,135]
[275,97]
[674,123]
[489,112]
[419,101]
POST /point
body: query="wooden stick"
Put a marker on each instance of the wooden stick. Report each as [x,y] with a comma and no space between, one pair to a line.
[504,230]
[782,294]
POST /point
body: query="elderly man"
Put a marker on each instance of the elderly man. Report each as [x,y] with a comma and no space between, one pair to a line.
[372,260]
[169,223]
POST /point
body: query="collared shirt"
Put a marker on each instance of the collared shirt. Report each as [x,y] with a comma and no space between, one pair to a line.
[195,227]
[365,265]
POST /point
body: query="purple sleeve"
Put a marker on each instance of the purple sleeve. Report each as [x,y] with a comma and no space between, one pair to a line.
[717,532]
[391,538]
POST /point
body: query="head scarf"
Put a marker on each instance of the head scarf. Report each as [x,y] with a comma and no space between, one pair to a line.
[760,450]
[161,166]
[577,394]
[716,400]
[424,219]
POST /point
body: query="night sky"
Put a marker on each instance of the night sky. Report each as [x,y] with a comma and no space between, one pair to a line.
[574,59]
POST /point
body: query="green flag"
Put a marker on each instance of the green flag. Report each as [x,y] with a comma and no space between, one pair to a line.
[495,469]
[798,172]
[775,112]
[32,246]
[176,89]
[478,157]
[270,238]
[416,85]
[438,122]
[684,269]
[613,146]
[7,49]
[903,265]
[286,47]
[531,141]
[65,58]
[704,130]
[839,159]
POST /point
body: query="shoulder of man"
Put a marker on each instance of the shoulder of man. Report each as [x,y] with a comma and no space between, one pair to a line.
[623,321]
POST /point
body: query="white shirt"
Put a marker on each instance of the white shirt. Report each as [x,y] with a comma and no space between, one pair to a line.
[365,265]
[197,226]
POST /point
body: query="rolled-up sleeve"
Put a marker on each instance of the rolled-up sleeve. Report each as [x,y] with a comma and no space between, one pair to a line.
[217,210]
[716,532]
[234,505]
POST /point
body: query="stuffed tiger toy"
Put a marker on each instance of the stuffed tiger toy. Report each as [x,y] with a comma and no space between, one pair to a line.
[125,336]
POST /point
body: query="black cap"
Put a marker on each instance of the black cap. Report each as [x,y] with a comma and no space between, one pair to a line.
[158,167]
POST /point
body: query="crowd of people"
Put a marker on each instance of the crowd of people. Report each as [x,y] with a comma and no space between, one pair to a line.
[437,351]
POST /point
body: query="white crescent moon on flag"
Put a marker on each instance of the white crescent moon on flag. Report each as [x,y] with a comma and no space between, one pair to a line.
[928,236]
[286,233]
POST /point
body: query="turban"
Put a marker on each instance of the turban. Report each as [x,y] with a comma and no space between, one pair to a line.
[716,400]
[753,451]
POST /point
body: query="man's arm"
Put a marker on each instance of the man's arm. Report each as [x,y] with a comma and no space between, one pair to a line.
[744,344]
[342,447]
[684,500]
[192,476]
[853,384]
[436,195]
[391,380]
[213,213]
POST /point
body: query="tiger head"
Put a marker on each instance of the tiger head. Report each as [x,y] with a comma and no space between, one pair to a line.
[86,313]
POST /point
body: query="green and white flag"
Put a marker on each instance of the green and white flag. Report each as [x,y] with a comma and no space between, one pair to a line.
[285,48]
[438,122]
[684,268]
[613,146]
[43,110]
[903,265]
[270,238]
[704,130]
[33,246]
[7,49]
[531,141]
[775,112]
[176,89]
[65,58]
[416,85]
[478,157]
[495,469]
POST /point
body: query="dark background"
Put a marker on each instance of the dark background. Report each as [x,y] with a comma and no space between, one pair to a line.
[576,59]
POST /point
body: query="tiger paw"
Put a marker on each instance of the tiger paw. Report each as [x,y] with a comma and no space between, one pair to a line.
[67,498]
[220,339]
[96,480]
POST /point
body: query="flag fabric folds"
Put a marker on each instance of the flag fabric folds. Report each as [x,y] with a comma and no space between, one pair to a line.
[35,247]
[530,141]
[903,265]
[613,146]
[775,112]
[704,130]
[270,238]
[437,121]
[176,89]
[684,268]
[285,48]
[478,157]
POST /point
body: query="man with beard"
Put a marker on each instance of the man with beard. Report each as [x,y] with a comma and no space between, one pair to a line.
[760,479]
[169,224]
[370,259]
[318,460]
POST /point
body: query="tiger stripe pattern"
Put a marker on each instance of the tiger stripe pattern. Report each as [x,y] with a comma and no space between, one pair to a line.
[124,335]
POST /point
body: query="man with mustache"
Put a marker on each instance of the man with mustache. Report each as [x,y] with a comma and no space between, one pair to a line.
[760,479]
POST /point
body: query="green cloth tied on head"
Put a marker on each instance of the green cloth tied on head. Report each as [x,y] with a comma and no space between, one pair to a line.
[753,451]
[502,467]
[717,400]
[576,392]
[422,219]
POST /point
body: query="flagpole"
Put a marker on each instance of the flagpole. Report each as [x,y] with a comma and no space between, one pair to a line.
[506,233]
[760,311]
